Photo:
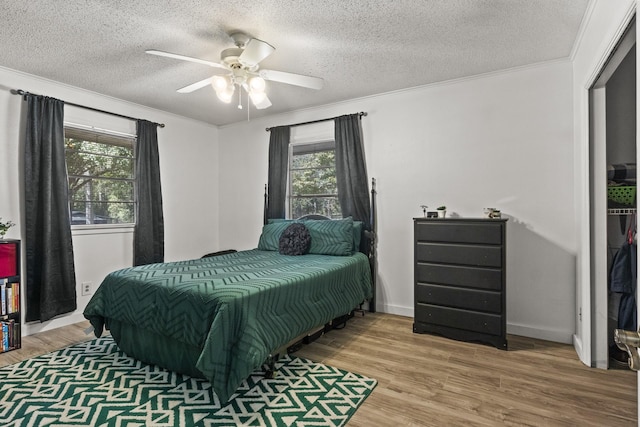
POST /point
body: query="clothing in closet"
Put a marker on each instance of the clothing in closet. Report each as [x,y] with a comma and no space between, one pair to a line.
[623,277]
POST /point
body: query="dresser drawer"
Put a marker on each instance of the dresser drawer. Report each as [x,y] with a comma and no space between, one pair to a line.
[449,296]
[486,256]
[457,275]
[486,233]
[460,319]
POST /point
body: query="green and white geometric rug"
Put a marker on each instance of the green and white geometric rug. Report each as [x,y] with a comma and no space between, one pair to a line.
[95,384]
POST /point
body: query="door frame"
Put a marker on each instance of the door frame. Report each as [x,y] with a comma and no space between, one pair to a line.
[588,337]
[592,322]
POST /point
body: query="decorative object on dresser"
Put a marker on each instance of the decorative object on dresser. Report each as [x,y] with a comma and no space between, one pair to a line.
[460,279]
[492,213]
[10,338]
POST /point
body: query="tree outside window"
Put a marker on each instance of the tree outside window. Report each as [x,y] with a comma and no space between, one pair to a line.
[101,175]
[312,180]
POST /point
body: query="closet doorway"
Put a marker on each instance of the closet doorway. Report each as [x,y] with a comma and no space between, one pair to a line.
[613,159]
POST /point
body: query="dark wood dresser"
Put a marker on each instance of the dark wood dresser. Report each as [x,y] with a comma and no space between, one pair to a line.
[460,278]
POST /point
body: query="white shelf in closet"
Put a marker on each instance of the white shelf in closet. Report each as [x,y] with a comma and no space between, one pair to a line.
[622,211]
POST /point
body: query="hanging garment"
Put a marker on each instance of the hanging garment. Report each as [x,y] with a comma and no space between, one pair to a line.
[623,277]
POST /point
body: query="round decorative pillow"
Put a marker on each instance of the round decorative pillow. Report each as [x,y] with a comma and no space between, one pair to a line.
[294,240]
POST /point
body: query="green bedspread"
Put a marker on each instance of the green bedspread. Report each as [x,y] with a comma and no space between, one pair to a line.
[233,309]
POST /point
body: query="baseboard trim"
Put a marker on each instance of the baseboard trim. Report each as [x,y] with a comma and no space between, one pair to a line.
[58,322]
[555,335]
[577,344]
[396,309]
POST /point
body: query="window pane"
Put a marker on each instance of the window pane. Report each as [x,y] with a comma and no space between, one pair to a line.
[100,190]
[314,181]
[318,159]
[106,201]
[101,213]
[101,177]
[327,206]
[89,158]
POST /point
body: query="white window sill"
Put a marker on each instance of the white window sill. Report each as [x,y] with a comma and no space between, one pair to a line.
[83,230]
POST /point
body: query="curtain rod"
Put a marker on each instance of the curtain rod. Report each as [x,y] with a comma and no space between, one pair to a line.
[22,92]
[361,113]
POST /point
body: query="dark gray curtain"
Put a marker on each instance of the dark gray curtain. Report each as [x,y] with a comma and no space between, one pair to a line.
[148,239]
[278,165]
[51,279]
[351,170]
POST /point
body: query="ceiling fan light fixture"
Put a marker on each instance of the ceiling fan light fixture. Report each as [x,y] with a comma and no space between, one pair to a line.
[226,94]
[219,83]
[257,84]
[242,64]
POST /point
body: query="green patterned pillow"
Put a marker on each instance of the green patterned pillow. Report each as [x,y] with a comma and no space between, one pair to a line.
[270,237]
[331,237]
[277,220]
[357,231]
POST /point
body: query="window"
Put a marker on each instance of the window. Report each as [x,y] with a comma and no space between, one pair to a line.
[312,180]
[101,174]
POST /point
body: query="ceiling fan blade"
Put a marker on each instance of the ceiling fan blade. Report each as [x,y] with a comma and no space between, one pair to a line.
[292,79]
[185,58]
[195,86]
[254,52]
[262,104]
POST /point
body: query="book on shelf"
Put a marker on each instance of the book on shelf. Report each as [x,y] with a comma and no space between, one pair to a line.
[9,298]
[5,336]
[3,296]
[16,297]
[10,341]
[9,335]
[17,338]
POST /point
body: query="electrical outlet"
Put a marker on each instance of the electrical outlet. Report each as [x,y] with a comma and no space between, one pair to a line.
[87,288]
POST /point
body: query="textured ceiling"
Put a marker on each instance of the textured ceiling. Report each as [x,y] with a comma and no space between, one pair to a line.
[359,48]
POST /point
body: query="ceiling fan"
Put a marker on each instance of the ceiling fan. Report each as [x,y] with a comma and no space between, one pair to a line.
[241,64]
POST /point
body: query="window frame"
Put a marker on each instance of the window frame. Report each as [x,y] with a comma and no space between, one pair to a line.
[307,147]
[107,135]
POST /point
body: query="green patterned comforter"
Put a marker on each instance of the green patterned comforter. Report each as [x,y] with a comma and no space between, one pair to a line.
[234,309]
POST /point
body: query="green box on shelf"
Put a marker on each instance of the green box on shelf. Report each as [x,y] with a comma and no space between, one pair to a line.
[624,194]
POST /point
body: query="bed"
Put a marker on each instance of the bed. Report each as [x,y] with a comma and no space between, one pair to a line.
[221,317]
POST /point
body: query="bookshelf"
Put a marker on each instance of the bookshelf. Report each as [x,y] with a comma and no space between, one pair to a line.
[10,290]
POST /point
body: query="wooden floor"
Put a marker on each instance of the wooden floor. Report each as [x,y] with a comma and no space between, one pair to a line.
[425,380]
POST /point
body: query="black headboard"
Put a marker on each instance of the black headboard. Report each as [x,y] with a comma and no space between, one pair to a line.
[313,216]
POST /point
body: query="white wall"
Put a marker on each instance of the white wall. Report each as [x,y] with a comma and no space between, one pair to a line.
[604,23]
[513,140]
[188,166]
[502,140]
